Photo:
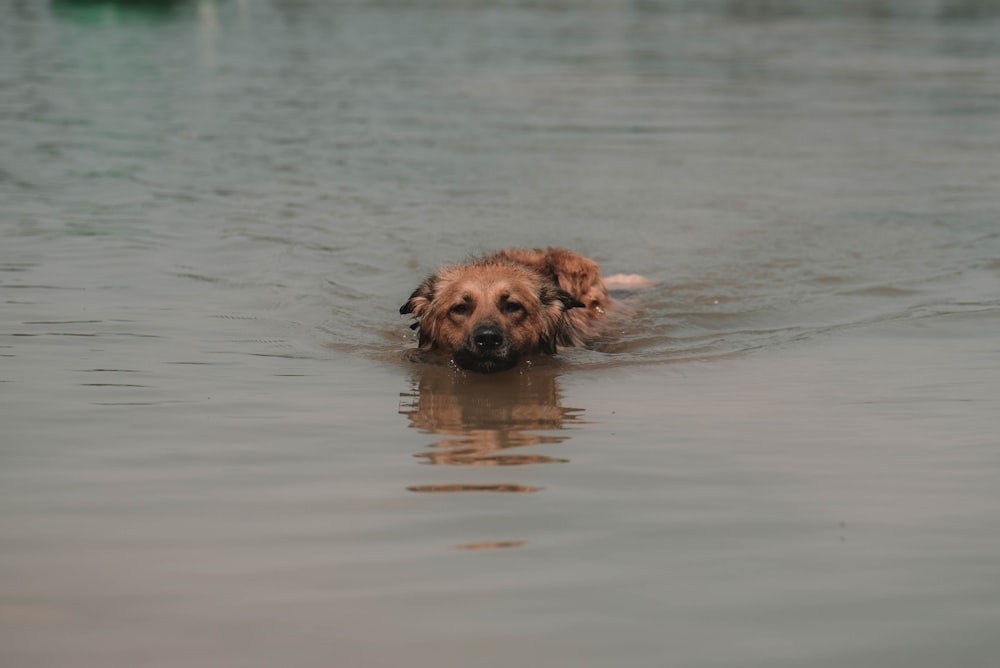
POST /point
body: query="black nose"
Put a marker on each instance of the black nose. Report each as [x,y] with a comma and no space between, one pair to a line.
[488,338]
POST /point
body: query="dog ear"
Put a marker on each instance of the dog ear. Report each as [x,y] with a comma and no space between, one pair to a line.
[557,328]
[420,300]
[569,301]
[556,299]
[418,305]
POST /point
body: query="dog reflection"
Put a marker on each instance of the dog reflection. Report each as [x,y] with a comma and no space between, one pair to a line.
[485,420]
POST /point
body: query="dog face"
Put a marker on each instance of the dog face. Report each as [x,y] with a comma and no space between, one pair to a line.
[489,314]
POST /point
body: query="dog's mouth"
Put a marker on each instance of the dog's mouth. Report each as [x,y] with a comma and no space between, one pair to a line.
[488,350]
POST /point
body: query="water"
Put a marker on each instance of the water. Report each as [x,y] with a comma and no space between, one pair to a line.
[215,451]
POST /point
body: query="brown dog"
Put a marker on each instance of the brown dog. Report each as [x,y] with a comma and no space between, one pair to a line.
[489,313]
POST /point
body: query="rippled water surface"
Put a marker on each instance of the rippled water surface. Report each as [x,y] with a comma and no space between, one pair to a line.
[216,452]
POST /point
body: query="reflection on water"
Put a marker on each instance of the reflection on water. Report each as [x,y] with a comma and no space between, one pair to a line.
[488,487]
[483,418]
[111,12]
[490,545]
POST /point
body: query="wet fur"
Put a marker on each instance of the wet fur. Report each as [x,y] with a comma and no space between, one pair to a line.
[492,311]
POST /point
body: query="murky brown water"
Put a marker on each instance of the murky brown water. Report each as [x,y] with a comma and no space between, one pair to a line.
[215,450]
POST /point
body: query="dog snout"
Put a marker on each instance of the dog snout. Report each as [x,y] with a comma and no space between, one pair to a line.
[489,337]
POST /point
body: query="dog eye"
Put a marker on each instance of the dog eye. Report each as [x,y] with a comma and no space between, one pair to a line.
[512,307]
[459,309]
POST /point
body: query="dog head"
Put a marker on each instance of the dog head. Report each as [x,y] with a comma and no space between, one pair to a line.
[488,315]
